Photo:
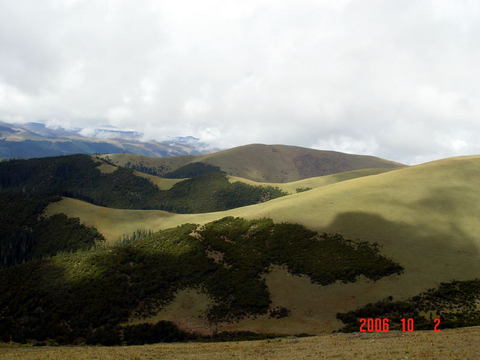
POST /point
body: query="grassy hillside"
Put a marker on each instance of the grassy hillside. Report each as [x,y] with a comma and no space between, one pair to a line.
[263,163]
[424,217]
[313,182]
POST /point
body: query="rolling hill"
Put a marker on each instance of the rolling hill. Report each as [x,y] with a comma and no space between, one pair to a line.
[423,217]
[261,163]
[363,243]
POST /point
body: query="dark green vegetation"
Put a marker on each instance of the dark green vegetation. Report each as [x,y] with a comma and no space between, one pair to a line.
[25,234]
[455,303]
[190,170]
[302,189]
[193,170]
[213,192]
[82,297]
[77,176]
[166,332]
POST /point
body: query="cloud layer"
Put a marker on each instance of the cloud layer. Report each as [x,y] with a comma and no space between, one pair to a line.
[396,79]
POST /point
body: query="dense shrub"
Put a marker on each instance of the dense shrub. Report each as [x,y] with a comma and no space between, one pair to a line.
[302,189]
[455,303]
[193,170]
[163,331]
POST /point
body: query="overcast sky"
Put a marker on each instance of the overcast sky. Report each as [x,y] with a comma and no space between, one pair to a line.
[396,79]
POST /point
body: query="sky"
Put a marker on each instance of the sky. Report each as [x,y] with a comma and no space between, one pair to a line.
[395,79]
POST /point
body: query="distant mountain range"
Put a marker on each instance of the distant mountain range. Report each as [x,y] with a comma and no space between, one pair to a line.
[37,140]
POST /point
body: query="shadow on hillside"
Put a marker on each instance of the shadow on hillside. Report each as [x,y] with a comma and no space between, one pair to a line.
[444,249]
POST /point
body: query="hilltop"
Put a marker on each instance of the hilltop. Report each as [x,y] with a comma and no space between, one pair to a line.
[261,163]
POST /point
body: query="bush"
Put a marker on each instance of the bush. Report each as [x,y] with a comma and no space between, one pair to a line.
[302,189]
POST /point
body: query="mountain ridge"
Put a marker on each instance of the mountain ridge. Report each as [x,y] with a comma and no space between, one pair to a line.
[260,162]
[37,140]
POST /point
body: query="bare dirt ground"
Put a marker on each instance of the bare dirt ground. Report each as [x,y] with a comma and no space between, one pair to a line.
[461,344]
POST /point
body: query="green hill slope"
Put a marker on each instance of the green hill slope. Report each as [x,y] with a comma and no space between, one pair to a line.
[424,218]
[263,163]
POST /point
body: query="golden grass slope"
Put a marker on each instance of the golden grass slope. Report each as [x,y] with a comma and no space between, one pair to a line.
[313,182]
[457,344]
[425,217]
[265,163]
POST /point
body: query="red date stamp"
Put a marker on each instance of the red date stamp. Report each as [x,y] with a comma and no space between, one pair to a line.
[383,325]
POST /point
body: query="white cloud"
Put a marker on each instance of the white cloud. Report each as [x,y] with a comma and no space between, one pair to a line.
[397,79]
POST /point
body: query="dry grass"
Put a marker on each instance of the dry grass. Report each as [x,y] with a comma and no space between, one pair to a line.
[161,183]
[106,168]
[456,344]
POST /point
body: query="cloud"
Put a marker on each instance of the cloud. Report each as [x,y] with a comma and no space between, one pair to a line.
[396,79]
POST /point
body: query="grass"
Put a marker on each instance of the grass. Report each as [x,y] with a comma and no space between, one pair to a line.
[313,182]
[161,183]
[424,217]
[455,344]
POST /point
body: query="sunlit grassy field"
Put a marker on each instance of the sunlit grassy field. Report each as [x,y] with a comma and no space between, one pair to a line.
[313,182]
[456,344]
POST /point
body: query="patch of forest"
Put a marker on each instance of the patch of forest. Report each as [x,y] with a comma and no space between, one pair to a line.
[26,234]
[82,297]
[77,176]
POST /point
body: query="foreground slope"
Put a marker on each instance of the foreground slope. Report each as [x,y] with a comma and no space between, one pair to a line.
[263,163]
[458,344]
[424,217]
